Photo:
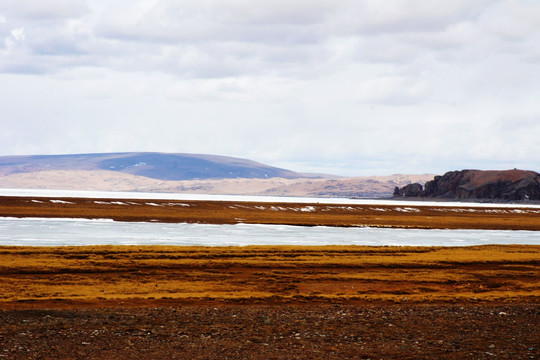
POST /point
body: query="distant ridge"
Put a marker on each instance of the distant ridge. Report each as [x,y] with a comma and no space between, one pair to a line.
[161,166]
[185,173]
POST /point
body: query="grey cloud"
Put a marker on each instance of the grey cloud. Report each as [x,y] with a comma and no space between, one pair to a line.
[52,38]
[230,38]
[370,18]
[15,67]
[188,39]
[281,22]
[512,20]
[44,52]
[182,21]
[276,35]
[519,123]
[44,10]
[278,12]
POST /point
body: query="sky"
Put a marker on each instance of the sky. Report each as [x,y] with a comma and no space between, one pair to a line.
[346,87]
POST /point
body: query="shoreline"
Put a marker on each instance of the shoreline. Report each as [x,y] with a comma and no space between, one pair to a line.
[300,214]
[188,196]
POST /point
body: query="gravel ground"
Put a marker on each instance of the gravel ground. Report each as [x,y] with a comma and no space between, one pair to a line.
[275,331]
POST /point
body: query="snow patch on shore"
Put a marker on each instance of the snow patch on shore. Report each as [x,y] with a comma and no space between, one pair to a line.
[241,198]
[61,202]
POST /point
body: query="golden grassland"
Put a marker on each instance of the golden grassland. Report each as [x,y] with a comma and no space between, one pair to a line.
[139,275]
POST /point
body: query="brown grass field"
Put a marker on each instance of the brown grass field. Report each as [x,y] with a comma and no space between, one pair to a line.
[270,302]
[232,212]
[107,275]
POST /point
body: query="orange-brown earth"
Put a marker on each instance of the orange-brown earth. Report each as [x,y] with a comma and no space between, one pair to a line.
[232,212]
[335,302]
[270,302]
[166,274]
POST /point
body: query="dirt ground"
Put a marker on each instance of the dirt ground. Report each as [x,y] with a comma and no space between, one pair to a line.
[331,302]
[279,331]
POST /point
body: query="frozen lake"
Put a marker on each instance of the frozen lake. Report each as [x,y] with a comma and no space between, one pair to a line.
[63,232]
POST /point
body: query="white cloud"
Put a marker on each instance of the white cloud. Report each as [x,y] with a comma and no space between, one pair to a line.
[18,34]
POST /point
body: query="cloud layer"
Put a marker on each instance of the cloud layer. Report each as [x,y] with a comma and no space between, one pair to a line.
[350,87]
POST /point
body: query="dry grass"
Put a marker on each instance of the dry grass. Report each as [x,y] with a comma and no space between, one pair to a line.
[31,276]
[227,212]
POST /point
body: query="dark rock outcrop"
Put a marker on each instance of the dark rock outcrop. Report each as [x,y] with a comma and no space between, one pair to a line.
[478,184]
[411,190]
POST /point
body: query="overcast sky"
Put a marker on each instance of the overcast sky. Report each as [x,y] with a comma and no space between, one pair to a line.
[349,87]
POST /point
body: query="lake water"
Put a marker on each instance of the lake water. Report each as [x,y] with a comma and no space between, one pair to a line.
[64,232]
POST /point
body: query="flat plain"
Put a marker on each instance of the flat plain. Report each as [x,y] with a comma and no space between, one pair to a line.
[270,302]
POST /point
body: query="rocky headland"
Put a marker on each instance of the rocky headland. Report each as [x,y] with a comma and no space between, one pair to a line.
[505,185]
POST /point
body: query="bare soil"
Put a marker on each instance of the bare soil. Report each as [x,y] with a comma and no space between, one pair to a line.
[107,302]
[254,331]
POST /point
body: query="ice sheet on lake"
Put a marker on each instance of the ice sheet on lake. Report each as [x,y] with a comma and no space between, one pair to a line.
[63,232]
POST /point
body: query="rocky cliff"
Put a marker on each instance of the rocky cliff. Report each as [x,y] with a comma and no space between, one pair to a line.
[478,184]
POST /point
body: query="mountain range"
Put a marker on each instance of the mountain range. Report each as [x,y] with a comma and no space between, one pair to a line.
[161,166]
[185,173]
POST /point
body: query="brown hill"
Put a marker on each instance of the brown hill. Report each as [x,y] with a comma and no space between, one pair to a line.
[478,184]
